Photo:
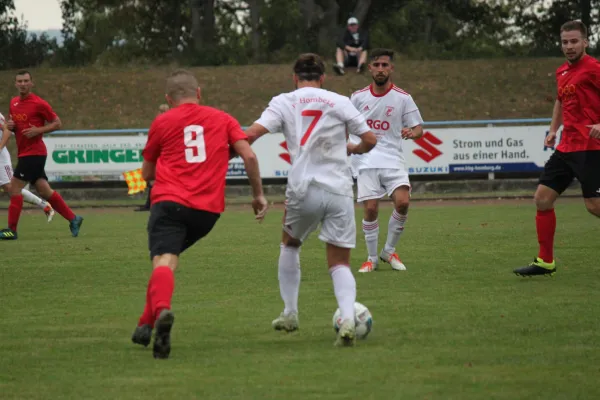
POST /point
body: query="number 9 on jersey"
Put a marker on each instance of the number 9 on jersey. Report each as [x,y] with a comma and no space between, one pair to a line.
[195,149]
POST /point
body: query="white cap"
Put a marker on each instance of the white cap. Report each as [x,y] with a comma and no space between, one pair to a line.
[352,20]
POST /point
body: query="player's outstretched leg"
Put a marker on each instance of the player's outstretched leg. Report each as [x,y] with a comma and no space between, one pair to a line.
[31,198]
[545,223]
[289,287]
[58,203]
[344,287]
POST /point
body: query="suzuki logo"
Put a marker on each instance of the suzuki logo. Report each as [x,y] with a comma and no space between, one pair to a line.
[428,150]
[285,156]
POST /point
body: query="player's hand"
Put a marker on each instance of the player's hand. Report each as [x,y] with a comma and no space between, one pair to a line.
[351,148]
[31,131]
[10,124]
[594,131]
[408,133]
[550,140]
[260,205]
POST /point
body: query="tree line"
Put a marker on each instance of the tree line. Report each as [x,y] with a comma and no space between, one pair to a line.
[236,32]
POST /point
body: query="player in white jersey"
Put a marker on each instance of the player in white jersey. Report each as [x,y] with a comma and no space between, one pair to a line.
[6,173]
[393,116]
[315,123]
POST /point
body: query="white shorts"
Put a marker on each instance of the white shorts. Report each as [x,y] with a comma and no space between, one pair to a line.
[374,183]
[334,212]
[6,173]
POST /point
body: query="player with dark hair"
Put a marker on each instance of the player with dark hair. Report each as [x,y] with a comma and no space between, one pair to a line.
[578,154]
[187,157]
[393,116]
[315,123]
[30,118]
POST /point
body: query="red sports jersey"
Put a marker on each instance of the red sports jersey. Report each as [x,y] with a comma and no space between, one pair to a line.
[27,112]
[190,146]
[579,94]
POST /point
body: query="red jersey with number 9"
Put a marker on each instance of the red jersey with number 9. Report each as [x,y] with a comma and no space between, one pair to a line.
[190,146]
[579,94]
[28,112]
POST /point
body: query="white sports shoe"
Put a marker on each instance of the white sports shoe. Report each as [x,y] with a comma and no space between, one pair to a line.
[288,323]
[346,336]
[393,260]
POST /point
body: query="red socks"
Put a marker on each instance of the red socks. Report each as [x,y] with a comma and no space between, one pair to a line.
[14,211]
[160,290]
[545,223]
[146,318]
[57,202]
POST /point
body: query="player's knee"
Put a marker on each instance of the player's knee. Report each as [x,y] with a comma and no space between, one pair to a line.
[543,202]
[371,210]
[289,241]
[593,207]
[402,206]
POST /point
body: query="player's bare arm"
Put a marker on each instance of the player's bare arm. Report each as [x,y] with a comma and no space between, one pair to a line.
[40,130]
[148,170]
[368,140]
[6,134]
[243,149]
[550,140]
[255,132]
[414,132]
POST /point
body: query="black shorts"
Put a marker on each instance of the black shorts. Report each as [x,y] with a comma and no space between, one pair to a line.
[31,168]
[172,228]
[561,168]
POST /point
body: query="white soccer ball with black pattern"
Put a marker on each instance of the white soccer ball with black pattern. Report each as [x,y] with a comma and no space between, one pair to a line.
[362,318]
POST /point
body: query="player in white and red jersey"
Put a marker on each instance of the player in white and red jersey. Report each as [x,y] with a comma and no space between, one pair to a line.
[315,123]
[393,116]
[6,173]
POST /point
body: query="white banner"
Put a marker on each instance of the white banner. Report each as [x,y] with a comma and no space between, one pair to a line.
[439,151]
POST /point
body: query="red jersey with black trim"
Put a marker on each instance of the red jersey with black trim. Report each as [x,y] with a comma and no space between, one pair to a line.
[28,112]
[190,146]
[579,94]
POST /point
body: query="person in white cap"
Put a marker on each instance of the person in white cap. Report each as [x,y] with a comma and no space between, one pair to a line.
[352,48]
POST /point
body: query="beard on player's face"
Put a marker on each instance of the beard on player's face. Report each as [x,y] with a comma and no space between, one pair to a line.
[381,80]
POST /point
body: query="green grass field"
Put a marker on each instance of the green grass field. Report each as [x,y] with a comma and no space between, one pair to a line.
[457,325]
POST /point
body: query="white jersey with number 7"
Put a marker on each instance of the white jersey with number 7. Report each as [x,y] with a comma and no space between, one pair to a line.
[314,122]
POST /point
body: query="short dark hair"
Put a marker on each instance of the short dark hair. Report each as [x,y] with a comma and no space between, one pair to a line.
[376,53]
[181,84]
[24,72]
[575,26]
[309,67]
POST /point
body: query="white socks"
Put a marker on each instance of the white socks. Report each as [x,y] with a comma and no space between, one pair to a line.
[371,231]
[289,277]
[395,229]
[344,287]
[33,199]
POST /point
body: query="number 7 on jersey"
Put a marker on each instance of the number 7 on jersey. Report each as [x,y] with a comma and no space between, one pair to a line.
[316,115]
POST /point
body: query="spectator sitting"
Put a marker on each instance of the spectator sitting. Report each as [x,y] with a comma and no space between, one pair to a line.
[352,48]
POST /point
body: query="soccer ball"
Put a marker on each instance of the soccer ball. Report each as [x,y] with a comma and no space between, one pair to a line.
[362,318]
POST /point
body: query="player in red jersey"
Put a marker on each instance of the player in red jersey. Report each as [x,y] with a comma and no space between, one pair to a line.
[30,118]
[187,156]
[578,153]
